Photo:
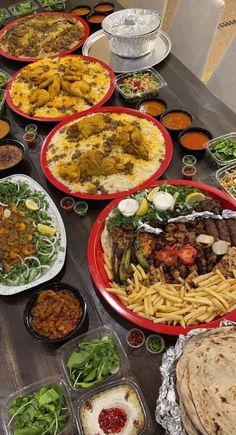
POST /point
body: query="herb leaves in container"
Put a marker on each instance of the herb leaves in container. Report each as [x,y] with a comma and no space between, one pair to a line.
[45,411]
[93,362]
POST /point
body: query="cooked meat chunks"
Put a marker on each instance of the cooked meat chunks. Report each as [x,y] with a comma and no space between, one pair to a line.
[223,230]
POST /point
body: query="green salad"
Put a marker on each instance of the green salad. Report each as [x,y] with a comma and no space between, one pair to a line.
[29,240]
[92,362]
[43,412]
[152,206]
[55,5]
[3,79]
[224,149]
[24,8]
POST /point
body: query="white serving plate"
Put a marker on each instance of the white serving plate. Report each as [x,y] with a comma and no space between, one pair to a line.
[58,222]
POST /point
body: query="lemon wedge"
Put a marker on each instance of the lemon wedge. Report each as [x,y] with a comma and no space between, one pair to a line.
[195,197]
[46,230]
[143,207]
[31,205]
[152,193]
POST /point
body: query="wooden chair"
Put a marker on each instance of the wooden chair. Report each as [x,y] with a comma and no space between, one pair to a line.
[192,31]
[223,80]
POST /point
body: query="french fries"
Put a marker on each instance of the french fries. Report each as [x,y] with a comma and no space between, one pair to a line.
[197,300]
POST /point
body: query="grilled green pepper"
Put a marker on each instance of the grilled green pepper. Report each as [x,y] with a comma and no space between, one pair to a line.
[125,262]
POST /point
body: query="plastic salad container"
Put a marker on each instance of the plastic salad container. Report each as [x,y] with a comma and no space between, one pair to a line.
[4,15]
[29,390]
[2,100]
[138,85]
[117,405]
[64,355]
[23,8]
[132,33]
[226,177]
[222,149]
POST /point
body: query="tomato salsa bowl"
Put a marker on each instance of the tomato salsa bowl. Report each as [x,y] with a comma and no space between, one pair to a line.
[55,313]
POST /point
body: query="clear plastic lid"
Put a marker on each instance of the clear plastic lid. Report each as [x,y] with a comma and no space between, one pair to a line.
[132,22]
[8,425]
[64,354]
[122,395]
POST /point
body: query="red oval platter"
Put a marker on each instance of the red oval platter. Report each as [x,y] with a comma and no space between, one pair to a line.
[101,281]
[63,118]
[113,109]
[33,59]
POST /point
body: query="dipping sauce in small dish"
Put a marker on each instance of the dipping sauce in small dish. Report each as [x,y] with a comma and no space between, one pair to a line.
[153,107]
[176,119]
[10,155]
[195,139]
[81,11]
[96,18]
[4,127]
[105,8]
[56,313]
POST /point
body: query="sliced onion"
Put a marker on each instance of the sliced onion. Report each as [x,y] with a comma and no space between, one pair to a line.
[204,240]
[220,247]
[4,205]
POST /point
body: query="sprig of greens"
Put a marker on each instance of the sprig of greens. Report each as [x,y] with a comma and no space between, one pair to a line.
[43,412]
[94,361]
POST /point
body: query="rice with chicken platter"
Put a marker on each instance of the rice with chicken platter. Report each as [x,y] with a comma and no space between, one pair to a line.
[52,88]
[105,153]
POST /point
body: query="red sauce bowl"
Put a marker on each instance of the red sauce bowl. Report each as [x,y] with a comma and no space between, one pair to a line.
[195,139]
[31,303]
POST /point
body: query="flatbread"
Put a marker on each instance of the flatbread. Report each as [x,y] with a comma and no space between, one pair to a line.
[206,383]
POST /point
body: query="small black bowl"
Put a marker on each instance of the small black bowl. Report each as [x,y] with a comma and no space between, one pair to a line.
[4,118]
[111,5]
[18,145]
[160,100]
[198,130]
[85,15]
[175,131]
[95,26]
[57,286]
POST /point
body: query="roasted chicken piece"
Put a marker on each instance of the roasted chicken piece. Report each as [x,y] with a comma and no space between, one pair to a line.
[87,127]
[130,139]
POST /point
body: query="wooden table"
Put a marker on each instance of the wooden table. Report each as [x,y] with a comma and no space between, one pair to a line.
[25,360]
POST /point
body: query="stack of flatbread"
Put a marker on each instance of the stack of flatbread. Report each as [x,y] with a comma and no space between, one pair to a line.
[206,383]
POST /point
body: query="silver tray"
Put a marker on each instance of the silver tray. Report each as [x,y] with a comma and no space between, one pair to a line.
[97,46]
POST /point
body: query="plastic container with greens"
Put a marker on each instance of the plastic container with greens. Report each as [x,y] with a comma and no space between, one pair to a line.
[42,407]
[137,85]
[2,100]
[24,8]
[91,359]
[222,149]
[4,77]
[53,5]
[3,17]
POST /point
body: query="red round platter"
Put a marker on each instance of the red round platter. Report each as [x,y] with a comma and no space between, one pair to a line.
[63,118]
[113,109]
[33,59]
[101,281]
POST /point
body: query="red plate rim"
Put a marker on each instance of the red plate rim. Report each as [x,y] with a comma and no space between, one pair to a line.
[33,59]
[63,118]
[114,109]
[99,277]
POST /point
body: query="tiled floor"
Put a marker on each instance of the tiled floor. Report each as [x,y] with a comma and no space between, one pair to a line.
[225,33]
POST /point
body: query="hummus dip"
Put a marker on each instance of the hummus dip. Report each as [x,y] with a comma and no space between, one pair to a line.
[117,410]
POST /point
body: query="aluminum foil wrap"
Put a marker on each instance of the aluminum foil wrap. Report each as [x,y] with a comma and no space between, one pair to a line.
[167,410]
[226,214]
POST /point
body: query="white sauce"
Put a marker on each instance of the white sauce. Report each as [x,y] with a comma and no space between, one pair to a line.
[128,207]
[163,201]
